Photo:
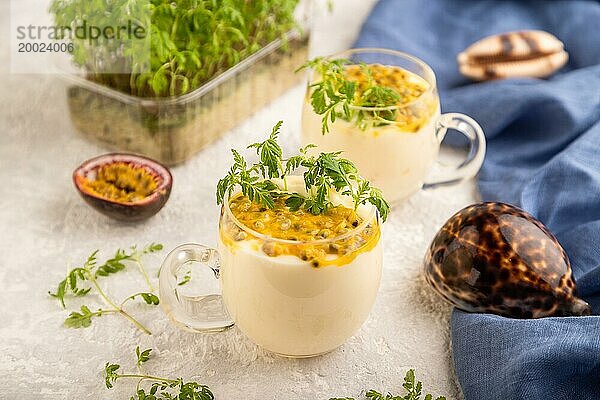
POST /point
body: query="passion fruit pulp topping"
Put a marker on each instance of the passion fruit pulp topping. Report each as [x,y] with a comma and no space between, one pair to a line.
[122,182]
[309,230]
[408,85]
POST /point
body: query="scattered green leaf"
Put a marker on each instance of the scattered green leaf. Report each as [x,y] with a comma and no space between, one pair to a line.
[81,319]
[88,275]
[160,388]
[186,278]
[413,391]
[110,374]
[142,356]
[150,298]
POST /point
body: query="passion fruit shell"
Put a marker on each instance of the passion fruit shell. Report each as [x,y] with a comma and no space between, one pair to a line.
[152,178]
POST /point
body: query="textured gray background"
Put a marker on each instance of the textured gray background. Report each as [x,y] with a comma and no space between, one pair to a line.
[45,228]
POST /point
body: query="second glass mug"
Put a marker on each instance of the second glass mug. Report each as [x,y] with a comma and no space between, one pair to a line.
[396,160]
[282,303]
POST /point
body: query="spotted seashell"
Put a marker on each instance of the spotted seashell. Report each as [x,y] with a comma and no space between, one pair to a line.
[496,258]
[535,54]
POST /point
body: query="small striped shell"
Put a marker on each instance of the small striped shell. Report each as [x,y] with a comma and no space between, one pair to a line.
[535,54]
[496,258]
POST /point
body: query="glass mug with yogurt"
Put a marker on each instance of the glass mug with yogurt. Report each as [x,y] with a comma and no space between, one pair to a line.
[397,154]
[295,283]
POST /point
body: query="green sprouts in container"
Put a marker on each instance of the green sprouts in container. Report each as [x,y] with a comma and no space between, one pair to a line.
[171,47]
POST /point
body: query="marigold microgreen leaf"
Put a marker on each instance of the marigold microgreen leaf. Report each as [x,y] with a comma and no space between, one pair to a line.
[323,173]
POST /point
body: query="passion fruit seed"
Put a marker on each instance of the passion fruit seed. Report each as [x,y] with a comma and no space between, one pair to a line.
[285,225]
[271,249]
[324,233]
[244,206]
[334,248]
[241,235]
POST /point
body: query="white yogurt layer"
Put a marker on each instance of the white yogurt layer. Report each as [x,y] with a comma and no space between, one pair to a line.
[290,308]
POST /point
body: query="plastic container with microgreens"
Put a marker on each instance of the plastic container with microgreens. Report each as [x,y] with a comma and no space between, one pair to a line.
[212,65]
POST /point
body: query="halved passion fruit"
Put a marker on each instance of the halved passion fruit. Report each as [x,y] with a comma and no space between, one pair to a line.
[124,186]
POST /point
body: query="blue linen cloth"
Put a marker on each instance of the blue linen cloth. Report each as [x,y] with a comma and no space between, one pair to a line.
[544,156]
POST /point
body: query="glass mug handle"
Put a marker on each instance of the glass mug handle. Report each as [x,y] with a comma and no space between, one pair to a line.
[449,175]
[196,313]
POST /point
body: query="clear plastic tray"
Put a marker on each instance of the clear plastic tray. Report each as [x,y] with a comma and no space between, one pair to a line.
[172,130]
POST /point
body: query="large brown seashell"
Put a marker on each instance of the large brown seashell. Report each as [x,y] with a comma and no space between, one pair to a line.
[535,54]
[496,258]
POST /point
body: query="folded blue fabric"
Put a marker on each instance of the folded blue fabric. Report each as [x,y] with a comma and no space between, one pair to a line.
[544,156]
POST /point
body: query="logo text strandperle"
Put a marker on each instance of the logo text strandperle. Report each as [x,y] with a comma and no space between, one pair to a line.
[82,31]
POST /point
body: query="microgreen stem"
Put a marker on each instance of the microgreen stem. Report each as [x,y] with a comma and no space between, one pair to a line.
[102,312]
[142,377]
[116,308]
[144,274]
[130,298]
[106,299]
[135,322]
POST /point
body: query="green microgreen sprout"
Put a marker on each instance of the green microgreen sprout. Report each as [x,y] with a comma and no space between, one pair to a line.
[81,280]
[185,279]
[160,388]
[142,356]
[136,257]
[185,43]
[412,387]
[322,174]
[270,152]
[335,96]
